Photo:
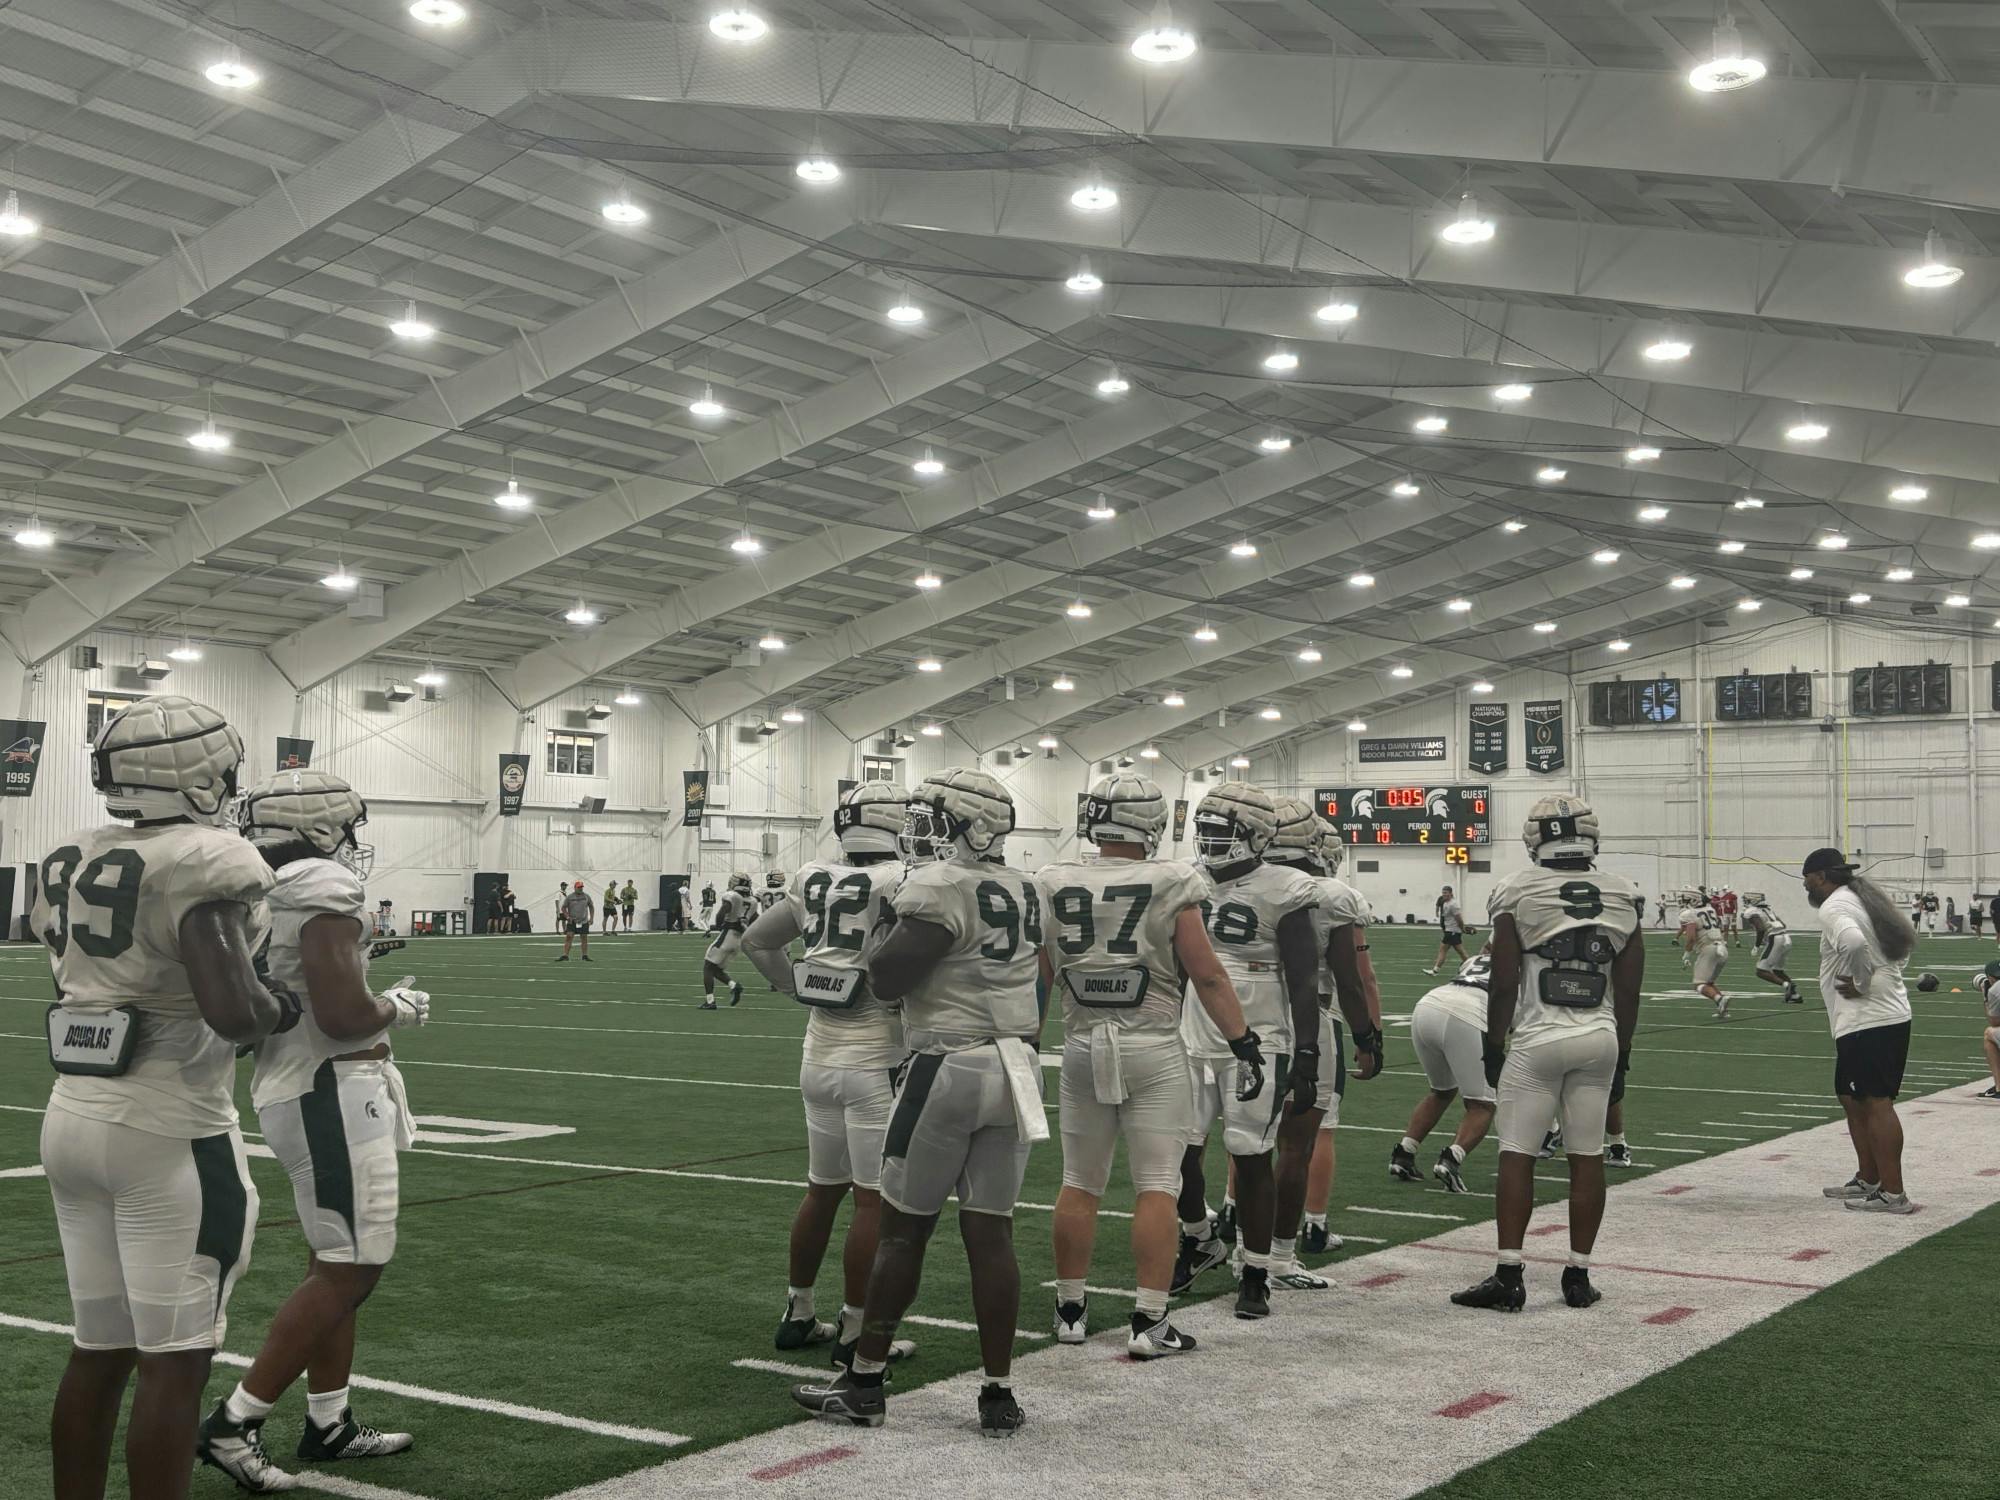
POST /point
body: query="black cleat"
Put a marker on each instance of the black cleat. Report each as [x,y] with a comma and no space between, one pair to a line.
[847,1397]
[237,1448]
[1619,1155]
[1317,1239]
[563,959]
[1225,1225]
[1072,1322]
[1403,1165]
[1000,1415]
[1156,1338]
[1503,1296]
[1577,1290]
[735,994]
[1253,1294]
[1446,1171]
[802,1333]
[588,959]
[1195,1257]
[708,1004]
[1992,1093]
[348,1438]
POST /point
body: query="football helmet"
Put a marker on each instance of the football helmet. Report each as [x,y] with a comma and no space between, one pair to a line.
[1234,822]
[1560,827]
[1753,898]
[167,757]
[1125,809]
[1331,850]
[311,805]
[869,818]
[740,883]
[958,813]
[774,880]
[1299,836]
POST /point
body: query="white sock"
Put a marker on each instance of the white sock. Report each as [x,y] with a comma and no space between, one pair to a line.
[1068,1290]
[798,1302]
[991,1379]
[1197,1230]
[1410,1144]
[244,1407]
[1614,1140]
[1284,1252]
[1152,1303]
[850,1323]
[1454,1153]
[1510,1257]
[1580,1259]
[326,1407]
[866,1366]
[1318,1221]
[1253,1261]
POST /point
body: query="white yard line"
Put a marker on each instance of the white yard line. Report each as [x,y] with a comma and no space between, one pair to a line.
[1402,1213]
[1695,1135]
[1745,1237]
[961,1326]
[351,1489]
[779,1367]
[425,1393]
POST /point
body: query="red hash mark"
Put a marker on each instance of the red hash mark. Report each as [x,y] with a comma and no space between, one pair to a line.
[1987,1172]
[1387,1278]
[1549,1229]
[803,1462]
[1669,1315]
[1808,1254]
[1472,1406]
[1781,1156]
[1676,1191]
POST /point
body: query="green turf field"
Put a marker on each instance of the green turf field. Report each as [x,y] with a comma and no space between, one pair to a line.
[612,1272]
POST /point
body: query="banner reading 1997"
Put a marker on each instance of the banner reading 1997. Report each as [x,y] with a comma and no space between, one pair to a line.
[513,784]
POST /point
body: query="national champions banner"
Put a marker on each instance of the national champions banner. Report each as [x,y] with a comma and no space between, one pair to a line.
[1544,723]
[1486,740]
[694,797]
[23,741]
[513,784]
[294,755]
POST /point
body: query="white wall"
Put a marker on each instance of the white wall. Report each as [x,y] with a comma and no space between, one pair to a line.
[1723,804]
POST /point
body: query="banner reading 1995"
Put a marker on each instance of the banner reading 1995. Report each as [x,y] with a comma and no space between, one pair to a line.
[22,742]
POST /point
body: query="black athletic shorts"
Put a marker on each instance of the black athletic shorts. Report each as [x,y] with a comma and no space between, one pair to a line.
[1453,938]
[580,929]
[1869,1064]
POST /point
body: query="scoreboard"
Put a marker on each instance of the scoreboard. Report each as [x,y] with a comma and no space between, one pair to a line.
[1446,816]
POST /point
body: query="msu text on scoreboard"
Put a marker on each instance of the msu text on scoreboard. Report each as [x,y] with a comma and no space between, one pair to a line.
[1393,815]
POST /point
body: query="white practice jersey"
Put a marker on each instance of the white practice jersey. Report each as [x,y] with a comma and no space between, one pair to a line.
[1464,994]
[1340,905]
[1707,922]
[1243,916]
[984,986]
[733,914]
[1547,905]
[1762,921]
[108,905]
[837,906]
[768,898]
[1109,927]
[288,1059]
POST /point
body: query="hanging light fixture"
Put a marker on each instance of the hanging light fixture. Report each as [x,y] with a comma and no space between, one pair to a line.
[1513,392]
[1113,384]
[1163,42]
[1094,197]
[430,677]
[412,327]
[1083,279]
[232,72]
[1727,69]
[1062,684]
[928,581]
[929,466]
[707,406]
[340,580]
[1173,699]
[1281,361]
[1669,347]
[513,497]
[581,614]
[1206,634]
[818,169]
[903,310]
[627,699]
[1468,226]
[622,210]
[1433,423]
[1310,654]
[738,25]
[1934,270]
[437,12]
[1337,311]
[34,535]
[1103,510]
[14,224]
[745,544]
[187,651]
[1077,610]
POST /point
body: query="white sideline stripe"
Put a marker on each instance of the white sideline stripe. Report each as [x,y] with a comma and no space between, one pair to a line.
[1721,1252]
[707,1083]
[352,1489]
[424,1393]
[1695,1135]
[1104,1291]
[779,1367]
[1733,1125]
[1402,1213]
[963,1326]
[1675,1150]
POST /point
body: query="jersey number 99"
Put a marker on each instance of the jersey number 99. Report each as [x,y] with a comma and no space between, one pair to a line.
[109,883]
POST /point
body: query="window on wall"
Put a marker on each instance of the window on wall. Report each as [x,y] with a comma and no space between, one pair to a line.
[101,706]
[881,768]
[572,753]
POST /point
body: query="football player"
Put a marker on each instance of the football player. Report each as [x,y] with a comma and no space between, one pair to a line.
[1568,965]
[731,918]
[707,900]
[578,910]
[1119,934]
[1774,944]
[1314,1237]
[628,902]
[961,959]
[1448,1029]
[1451,930]
[152,924]
[773,892]
[333,1111]
[1704,947]
[854,1044]
[1989,991]
[610,907]
[1340,917]
[1260,919]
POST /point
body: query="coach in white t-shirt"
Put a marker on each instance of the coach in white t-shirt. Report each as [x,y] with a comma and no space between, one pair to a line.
[1864,943]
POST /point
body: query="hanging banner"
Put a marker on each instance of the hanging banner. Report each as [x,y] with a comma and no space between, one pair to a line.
[1544,723]
[294,755]
[694,797]
[513,784]
[1180,820]
[23,741]
[1486,741]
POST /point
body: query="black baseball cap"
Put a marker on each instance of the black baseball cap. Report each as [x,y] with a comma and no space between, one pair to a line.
[1820,861]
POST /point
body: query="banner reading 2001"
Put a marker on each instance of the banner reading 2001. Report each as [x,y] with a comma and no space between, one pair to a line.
[694,796]
[1545,736]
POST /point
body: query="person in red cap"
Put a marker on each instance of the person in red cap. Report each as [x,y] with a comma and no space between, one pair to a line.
[1864,943]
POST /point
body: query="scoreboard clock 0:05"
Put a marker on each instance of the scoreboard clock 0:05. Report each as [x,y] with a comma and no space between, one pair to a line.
[1445,816]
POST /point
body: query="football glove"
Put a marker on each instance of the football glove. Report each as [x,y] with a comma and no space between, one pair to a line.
[1369,1044]
[413,1007]
[1302,1083]
[1494,1058]
[1618,1073]
[1248,1051]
